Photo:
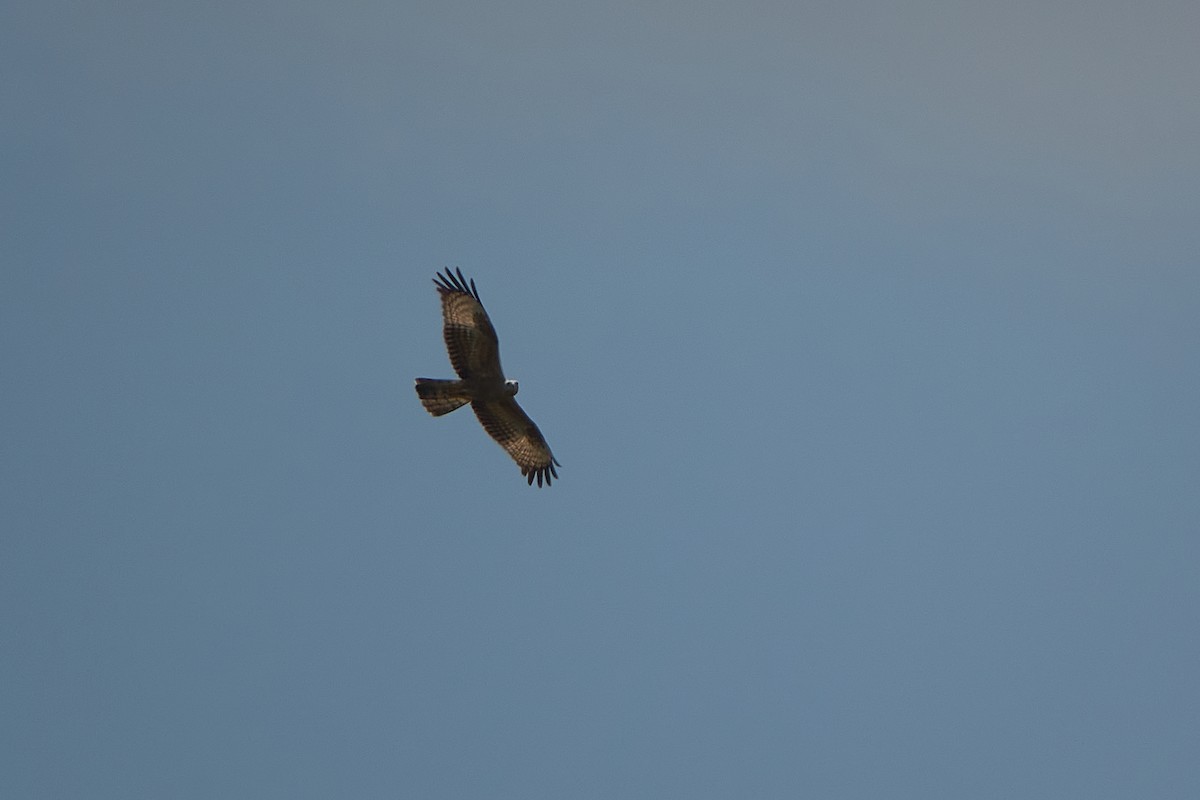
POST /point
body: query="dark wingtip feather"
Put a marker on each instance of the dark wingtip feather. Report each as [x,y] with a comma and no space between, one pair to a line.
[450,281]
[543,475]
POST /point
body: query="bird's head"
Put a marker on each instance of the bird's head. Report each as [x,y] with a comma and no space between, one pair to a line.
[510,387]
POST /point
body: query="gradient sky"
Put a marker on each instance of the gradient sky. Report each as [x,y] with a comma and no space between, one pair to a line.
[866,334]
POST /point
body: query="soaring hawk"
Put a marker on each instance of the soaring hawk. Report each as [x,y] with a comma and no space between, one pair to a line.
[475,355]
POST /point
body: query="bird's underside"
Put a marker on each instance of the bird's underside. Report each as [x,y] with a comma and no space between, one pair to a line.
[474,353]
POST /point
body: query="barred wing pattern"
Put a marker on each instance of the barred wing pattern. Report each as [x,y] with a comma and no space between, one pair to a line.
[509,425]
[475,355]
[470,338]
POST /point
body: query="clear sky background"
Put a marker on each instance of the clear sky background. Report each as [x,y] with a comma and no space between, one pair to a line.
[866,334]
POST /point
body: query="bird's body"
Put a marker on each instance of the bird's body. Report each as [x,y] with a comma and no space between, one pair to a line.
[475,355]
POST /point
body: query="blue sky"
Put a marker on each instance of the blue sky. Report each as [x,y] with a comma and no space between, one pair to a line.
[866,336]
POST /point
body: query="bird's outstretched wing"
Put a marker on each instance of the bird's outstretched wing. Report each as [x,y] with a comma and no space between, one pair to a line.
[470,338]
[514,430]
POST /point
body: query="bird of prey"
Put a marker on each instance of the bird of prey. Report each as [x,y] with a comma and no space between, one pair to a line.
[475,355]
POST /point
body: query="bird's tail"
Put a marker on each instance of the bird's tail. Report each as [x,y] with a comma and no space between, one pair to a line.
[441,397]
